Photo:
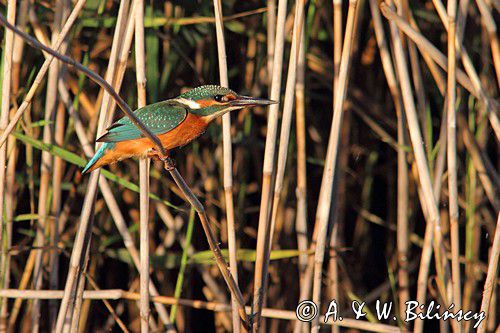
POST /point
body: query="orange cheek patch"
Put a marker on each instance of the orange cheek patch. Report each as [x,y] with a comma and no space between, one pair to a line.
[206,103]
[209,102]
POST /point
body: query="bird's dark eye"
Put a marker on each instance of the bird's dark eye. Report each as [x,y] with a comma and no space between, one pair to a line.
[220,98]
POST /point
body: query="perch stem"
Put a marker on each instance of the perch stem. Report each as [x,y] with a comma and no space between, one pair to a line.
[212,241]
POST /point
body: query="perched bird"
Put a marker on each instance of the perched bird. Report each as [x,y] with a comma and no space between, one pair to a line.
[176,122]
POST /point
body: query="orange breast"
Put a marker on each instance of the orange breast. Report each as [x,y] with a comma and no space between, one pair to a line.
[191,128]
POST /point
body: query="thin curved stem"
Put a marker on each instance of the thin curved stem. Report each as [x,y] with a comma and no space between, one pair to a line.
[212,241]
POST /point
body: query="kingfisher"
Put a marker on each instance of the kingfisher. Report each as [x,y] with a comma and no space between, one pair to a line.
[176,122]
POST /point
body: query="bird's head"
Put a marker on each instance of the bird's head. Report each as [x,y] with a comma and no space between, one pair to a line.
[212,101]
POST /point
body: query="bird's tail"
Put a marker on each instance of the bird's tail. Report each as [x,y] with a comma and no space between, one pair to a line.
[93,163]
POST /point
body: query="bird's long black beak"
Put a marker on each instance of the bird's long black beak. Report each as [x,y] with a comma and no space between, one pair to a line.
[251,101]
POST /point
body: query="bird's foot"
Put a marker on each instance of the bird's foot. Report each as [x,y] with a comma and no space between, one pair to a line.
[153,153]
[169,162]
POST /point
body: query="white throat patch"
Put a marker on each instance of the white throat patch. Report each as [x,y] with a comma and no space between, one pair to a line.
[220,113]
[188,102]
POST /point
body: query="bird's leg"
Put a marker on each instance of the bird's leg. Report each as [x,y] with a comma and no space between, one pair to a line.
[153,153]
[169,162]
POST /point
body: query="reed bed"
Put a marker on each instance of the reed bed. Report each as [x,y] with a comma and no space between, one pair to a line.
[375,178]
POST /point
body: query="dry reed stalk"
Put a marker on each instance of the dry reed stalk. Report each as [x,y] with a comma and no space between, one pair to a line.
[469,80]
[440,9]
[475,81]
[490,106]
[305,289]
[30,172]
[259,290]
[472,241]
[111,202]
[488,177]
[140,67]
[74,273]
[337,41]
[144,244]
[440,163]
[75,312]
[10,198]
[462,13]
[301,190]
[46,169]
[140,54]
[491,277]
[17,54]
[431,65]
[25,279]
[268,169]
[402,183]
[491,27]
[333,265]
[106,100]
[108,306]
[227,160]
[250,65]
[492,319]
[184,21]
[212,241]
[58,173]
[40,33]
[339,210]
[129,245]
[427,249]
[441,157]
[119,64]
[117,294]
[327,182]
[271,38]
[452,157]
[87,106]
[10,205]
[206,276]
[429,202]
[287,111]
[41,73]
[306,282]
[418,83]
[427,48]
[472,232]
[4,119]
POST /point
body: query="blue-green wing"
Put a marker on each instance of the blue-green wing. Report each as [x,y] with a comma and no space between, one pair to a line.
[159,118]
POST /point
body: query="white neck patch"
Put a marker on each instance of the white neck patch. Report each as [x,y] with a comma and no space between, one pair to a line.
[188,102]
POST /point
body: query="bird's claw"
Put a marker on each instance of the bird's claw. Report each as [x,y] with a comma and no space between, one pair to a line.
[169,163]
